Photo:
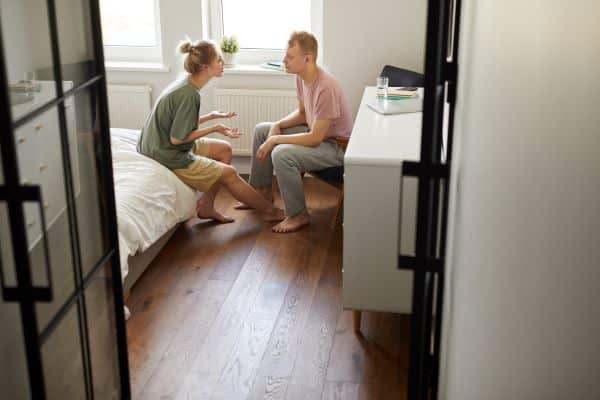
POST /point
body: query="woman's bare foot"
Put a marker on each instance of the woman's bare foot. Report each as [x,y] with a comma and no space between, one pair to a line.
[207,212]
[291,224]
[274,216]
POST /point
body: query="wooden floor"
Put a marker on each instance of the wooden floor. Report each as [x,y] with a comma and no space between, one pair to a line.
[237,312]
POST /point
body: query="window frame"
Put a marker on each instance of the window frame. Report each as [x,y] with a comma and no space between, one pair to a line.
[244,55]
[142,54]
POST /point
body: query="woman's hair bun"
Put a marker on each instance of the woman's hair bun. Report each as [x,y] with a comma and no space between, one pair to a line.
[185,46]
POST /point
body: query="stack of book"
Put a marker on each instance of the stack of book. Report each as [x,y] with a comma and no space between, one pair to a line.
[401,93]
[25,87]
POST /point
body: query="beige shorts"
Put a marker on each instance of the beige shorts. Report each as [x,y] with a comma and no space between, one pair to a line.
[202,173]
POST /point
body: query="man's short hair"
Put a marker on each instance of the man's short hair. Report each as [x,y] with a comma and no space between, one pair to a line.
[306,41]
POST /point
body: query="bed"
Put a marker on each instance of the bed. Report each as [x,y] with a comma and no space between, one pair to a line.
[151,202]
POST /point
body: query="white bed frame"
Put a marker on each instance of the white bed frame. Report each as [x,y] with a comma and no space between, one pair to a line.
[137,264]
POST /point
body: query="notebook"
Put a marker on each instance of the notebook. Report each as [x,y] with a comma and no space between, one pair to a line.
[387,107]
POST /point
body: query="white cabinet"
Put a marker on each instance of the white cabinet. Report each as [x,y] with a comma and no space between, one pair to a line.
[376,228]
[39,153]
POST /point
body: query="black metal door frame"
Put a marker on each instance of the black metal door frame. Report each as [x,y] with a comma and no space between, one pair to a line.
[433,175]
[15,194]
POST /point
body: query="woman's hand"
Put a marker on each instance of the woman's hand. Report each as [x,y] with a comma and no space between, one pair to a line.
[265,148]
[220,114]
[226,131]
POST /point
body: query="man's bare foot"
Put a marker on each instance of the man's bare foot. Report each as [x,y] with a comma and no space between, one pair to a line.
[291,224]
[213,214]
[274,216]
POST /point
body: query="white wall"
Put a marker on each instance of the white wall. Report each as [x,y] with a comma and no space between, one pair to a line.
[18,55]
[522,299]
[359,38]
[355,44]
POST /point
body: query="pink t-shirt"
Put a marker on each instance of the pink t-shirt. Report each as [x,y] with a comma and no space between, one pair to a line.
[325,99]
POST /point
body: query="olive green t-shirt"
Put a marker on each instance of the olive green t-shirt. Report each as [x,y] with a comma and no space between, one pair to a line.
[175,114]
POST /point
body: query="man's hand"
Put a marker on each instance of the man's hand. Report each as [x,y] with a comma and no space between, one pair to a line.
[226,131]
[220,114]
[265,148]
[275,130]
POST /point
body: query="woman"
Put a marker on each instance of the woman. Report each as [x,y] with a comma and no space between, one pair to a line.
[171,136]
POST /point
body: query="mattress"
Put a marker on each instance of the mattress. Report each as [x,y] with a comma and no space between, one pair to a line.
[150,199]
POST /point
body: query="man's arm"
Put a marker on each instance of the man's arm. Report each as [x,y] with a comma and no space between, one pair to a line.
[311,139]
[296,117]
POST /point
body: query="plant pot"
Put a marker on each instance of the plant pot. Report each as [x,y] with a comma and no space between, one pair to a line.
[229,58]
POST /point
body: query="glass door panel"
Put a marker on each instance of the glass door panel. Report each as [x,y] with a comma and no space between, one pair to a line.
[102,323]
[26,33]
[63,361]
[91,202]
[39,157]
[13,380]
[75,41]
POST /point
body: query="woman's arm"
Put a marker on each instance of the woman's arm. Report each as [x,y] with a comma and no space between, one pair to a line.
[214,115]
[198,133]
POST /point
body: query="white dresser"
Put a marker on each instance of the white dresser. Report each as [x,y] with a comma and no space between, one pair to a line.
[373,231]
[40,157]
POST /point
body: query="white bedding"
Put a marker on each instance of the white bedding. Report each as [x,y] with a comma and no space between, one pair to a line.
[150,198]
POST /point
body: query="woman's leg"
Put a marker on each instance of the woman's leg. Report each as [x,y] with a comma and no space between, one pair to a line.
[242,191]
[218,150]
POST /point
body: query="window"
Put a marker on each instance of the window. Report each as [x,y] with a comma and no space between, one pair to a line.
[131,30]
[261,26]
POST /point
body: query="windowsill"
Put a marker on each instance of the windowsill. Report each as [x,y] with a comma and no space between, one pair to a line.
[135,66]
[252,69]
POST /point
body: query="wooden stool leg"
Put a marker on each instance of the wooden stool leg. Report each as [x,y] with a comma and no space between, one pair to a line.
[357,316]
[338,208]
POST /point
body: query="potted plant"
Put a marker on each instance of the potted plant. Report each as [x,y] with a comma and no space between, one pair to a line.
[229,46]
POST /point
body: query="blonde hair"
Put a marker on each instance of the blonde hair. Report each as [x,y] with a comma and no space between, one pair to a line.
[198,54]
[306,41]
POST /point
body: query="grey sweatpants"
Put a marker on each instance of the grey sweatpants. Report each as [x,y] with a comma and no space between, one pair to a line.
[288,161]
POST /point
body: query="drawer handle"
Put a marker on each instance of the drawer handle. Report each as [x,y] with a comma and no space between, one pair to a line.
[38,126]
[43,166]
[21,139]
[30,224]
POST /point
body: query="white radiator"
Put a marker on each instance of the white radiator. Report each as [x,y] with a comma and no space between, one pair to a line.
[129,105]
[252,107]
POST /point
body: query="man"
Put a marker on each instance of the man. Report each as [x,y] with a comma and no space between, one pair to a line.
[305,139]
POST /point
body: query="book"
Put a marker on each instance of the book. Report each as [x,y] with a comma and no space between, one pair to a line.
[394,97]
[25,87]
[400,91]
[269,65]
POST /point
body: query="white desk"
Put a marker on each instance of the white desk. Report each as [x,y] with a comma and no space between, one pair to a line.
[373,232]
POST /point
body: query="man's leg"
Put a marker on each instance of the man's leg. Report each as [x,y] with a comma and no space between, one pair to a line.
[261,171]
[289,161]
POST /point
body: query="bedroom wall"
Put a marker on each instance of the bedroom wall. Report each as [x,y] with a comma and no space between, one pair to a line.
[359,42]
[345,39]
[14,21]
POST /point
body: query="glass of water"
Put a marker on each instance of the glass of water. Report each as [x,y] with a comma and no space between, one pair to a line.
[382,87]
